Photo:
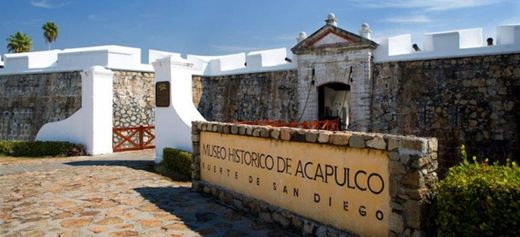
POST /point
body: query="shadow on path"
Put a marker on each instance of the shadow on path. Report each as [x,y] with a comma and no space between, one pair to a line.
[134,164]
[204,215]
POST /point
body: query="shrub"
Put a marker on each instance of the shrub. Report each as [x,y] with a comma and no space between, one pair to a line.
[479,199]
[40,148]
[176,164]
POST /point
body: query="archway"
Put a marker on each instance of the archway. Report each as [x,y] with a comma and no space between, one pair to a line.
[333,102]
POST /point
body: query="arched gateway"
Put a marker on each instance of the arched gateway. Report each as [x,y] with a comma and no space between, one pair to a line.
[334,75]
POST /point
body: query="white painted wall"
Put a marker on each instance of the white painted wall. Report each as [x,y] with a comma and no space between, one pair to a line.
[109,56]
[459,43]
[257,61]
[173,123]
[92,124]
[508,34]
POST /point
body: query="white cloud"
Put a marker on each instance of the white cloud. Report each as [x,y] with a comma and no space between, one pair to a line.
[408,19]
[427,5]
[48,4]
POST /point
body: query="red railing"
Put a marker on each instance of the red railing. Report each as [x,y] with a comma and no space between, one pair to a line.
[133,138]
[331,125]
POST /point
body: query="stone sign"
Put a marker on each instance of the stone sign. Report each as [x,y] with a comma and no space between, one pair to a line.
[318,182]
[340,186]
[162,94]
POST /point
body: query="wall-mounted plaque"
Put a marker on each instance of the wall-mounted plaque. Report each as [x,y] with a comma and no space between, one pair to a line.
[162,94]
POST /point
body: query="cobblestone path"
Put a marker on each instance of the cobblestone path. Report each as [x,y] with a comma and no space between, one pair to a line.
[110,195]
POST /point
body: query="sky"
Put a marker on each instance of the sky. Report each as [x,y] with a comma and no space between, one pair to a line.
[216,27]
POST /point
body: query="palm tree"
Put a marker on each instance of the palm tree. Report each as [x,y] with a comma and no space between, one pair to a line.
[19,43]
[50,32]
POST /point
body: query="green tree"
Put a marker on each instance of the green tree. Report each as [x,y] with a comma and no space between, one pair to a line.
[50,32]
[19,43]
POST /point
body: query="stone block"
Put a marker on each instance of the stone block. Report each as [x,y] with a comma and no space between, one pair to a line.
[241,130]
[324,137]
[285,134]
[265,217]
[412,212]
[396,223]
[195,138]
[311,136]
[414,144]
[433,145]
[378,142]
[308,228]
[280,219]
[264,132]
[357,141]
[275,133]
[413,179]
[234,129]
[396,167]
[339,139]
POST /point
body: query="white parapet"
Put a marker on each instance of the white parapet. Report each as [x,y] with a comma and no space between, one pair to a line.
[91,125]
[173,123]
[458,43]
[109,56]
[34,60]
[266,58]
[257,61]
[453,40]
[508,35]
[154,55]
[397,45]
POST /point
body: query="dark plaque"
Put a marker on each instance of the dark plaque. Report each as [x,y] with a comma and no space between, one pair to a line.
[162,94]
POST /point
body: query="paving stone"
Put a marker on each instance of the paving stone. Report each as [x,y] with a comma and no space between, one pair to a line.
[80,197]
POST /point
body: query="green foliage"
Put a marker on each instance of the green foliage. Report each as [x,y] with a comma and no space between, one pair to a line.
[479,199]
[40,148]
[19,43]
[50,32]
[176,164]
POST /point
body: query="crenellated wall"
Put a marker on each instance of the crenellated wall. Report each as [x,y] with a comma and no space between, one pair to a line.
[253,96]
[472,101]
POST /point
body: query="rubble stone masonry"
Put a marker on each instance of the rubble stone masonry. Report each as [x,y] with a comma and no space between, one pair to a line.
[254,96]
[473,101]
[29,101]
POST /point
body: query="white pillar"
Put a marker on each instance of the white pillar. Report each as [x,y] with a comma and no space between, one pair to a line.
[97,99]
[91,125]
[173,123]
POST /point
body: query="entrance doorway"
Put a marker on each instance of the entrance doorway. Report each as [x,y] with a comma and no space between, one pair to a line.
[333,103]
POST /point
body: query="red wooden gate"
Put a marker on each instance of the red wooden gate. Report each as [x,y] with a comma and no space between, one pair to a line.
[133,138]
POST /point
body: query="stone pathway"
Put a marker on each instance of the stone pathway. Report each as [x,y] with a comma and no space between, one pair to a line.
[110,195]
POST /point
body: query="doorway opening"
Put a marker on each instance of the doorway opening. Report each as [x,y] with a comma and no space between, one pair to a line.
[333,103]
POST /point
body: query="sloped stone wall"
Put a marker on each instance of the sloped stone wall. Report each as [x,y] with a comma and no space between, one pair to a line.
[134,98]
[254,96]
[473,101]
[29,101]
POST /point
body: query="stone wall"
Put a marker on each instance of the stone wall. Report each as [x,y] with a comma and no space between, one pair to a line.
[254,96]
[29,101]
[473,101]
[134,98]
[412,164]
